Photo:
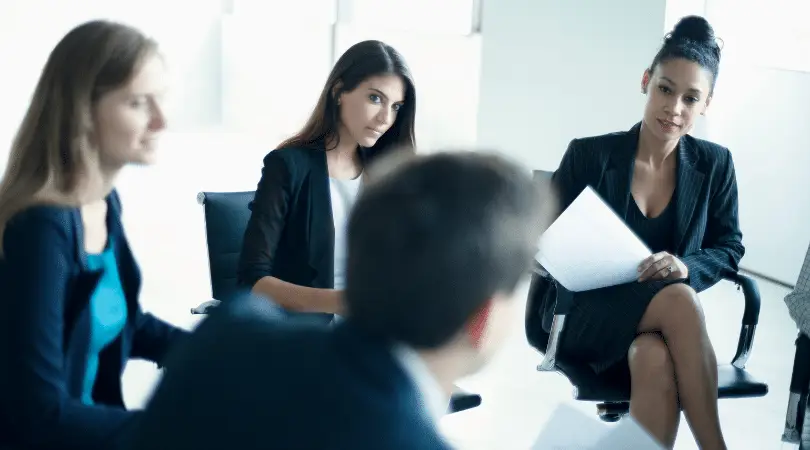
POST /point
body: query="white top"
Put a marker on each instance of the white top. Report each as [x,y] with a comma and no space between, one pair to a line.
[344,193]
[434,400]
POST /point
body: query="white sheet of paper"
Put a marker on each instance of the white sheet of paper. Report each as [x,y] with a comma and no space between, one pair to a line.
[569,429]
[590,247]
[628,435]
[572,429]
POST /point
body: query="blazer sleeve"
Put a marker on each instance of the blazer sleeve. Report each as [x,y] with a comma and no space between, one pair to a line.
[569,180]
[722,247]
[154,338]
[267,220]
[36,406]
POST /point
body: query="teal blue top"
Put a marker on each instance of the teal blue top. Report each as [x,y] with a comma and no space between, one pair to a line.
[108,314]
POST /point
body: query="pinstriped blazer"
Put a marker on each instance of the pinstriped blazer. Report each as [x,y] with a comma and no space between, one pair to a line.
[707,233]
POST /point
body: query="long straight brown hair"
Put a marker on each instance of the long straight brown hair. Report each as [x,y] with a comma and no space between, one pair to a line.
[360,62]
[51,152]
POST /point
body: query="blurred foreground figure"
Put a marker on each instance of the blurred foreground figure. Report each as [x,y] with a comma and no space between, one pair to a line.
[436,246]
[71,315]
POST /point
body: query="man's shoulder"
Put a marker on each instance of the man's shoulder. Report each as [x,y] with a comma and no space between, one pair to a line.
[252,373]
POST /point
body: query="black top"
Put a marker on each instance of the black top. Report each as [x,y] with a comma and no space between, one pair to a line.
[657,232]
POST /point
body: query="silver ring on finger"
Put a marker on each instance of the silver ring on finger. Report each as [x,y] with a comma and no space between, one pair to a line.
[669,270]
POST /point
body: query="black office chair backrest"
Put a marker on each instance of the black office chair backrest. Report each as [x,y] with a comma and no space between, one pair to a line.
[226,217]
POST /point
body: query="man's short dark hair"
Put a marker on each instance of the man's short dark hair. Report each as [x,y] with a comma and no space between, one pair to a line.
[433,239]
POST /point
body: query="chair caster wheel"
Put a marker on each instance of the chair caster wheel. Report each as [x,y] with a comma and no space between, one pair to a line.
[608,417]
[611,412]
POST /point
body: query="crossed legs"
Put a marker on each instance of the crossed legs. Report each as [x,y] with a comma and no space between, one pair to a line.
[654,393]
[673,360]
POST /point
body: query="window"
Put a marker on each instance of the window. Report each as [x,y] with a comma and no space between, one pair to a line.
[301,12]
[458,17]
[273,67]
[764,33]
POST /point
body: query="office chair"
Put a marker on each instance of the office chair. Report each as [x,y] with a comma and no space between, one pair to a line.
[226,218]
[613,396]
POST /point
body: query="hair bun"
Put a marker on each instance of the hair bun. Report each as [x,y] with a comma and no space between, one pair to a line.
[694,28]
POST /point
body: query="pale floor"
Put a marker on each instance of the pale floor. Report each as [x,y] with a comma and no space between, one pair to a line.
[518,400]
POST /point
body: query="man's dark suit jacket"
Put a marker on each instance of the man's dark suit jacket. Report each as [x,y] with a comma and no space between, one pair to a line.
[291,233]
[45,334]
[246,381]
[707,232]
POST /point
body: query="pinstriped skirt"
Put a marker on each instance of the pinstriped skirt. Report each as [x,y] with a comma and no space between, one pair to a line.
[603,323]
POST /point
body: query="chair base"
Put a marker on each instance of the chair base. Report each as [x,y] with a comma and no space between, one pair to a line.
[612,411]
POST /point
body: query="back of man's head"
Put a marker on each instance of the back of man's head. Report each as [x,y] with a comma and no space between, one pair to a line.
[434,239]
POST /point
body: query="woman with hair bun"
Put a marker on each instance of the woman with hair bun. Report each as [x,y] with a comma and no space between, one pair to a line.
[679,194]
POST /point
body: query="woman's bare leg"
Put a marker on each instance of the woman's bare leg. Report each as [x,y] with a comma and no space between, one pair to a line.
[654,394]
[676,313]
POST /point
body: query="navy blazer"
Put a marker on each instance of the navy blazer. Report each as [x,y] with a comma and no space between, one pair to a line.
[45,333]
[291,233]
[707,232]
[287,387]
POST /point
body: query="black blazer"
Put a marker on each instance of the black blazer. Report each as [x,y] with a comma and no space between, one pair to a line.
[291,233]
[45,334]
[288,387]
[707,233]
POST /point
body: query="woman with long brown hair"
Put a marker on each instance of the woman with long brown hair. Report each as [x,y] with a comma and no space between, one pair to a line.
[294,245]
[70,312]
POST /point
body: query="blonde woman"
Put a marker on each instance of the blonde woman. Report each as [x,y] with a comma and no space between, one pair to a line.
[70,284]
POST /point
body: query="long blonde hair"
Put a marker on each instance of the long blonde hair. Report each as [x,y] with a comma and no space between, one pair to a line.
[50,153]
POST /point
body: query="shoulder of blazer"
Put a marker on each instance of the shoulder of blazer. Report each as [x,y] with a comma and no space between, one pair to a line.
[298,160]
[46,218]
[35,218]
[601,147]
[708,155]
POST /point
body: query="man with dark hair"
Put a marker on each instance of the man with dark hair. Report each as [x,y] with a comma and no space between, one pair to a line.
[436,247]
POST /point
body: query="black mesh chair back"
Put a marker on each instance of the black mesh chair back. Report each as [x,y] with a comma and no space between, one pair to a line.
[226,217]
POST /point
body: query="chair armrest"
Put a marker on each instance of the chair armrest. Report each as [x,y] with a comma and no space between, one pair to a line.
[562,306]
[206,307]
[750,317]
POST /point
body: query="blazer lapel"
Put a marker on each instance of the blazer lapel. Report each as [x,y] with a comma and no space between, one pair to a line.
[619,172]
[688,187]
[128,271]
[321,223]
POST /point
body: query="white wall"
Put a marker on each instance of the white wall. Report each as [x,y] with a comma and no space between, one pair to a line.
[560,69]
[762,115]
[761,111]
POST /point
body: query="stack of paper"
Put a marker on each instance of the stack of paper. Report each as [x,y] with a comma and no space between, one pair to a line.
[590,247]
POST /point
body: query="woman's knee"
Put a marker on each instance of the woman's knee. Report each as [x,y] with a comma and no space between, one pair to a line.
[675,307]
[651,365]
